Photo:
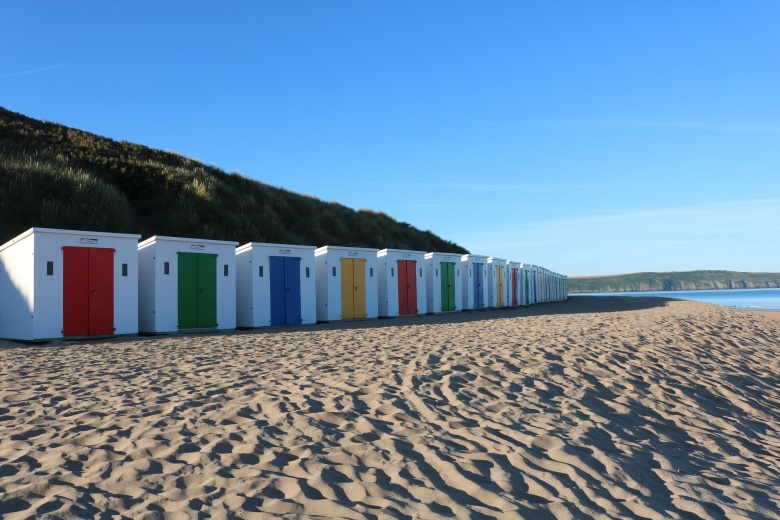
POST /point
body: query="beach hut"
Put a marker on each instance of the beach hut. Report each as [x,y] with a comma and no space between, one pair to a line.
[475,281]
[545,285]
[401,278]
[346,283]
[497,282]
[530,284]
[443,285]
[514,279]
[186,285]
[275,285]
[57,283]
[524,285]
[537,291]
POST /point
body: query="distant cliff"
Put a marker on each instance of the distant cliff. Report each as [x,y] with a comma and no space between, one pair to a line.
[673,281]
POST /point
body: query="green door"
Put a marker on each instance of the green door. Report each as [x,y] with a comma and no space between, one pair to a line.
[197,290]
[447,286]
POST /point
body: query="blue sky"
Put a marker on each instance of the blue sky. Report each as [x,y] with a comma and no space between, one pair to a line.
[594,137]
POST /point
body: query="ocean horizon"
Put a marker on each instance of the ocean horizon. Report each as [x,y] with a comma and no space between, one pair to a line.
[766,299]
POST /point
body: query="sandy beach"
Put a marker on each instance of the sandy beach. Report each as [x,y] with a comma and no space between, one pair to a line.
[597,407]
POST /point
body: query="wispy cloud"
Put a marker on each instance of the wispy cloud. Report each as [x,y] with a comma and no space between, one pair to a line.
[586,124]
[35,71]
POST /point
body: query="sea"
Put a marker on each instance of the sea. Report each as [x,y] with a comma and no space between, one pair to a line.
[748,299]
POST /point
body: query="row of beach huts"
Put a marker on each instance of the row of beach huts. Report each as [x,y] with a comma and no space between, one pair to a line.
[58,283]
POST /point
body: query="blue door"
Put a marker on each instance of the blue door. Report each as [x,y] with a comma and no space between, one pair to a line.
[479,299]
[285,290]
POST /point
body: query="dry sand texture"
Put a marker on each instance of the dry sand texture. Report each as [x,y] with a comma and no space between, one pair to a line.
[591,408]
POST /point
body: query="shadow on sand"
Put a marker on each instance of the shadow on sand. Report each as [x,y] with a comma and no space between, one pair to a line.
[574,305]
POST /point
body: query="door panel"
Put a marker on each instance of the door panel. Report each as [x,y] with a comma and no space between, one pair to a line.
[445,285]
[359,274]
[479,298]
[347,288]
[75,291]
[207,290]
[500,285]
[188,290]
[450,286]
[411,289]
[407,287]
[403,300]
[525,292]
[514,287]
[278,298]
[101,291]
[292,285]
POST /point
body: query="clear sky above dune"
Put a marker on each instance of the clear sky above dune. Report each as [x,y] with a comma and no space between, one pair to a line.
[588,137]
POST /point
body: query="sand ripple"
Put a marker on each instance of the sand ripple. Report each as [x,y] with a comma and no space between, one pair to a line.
[591,408]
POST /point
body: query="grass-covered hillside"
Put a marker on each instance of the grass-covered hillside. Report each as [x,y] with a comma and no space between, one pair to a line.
[675,281]
[60,177]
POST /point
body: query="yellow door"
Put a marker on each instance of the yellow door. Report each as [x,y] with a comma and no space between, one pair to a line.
[347,288]
[500,285]
[353,288]
[359,274]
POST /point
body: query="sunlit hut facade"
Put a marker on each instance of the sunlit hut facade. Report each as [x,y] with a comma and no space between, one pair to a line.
[514,281]
[186,284]
[401,278]
[275,285]
[525,284]
[475,282]
[496,282]
[346,279]
[444,287]
[533,275]
[57,283]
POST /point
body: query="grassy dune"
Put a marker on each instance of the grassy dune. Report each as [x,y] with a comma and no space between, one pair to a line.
[55,176]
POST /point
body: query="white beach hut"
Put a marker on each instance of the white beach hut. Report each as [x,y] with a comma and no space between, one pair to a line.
[545,280]
[57,283]
[443,285]
[537,289]
[514,281]
[530,279]
[475,281]
[525,282]
[497,284]
[401,278]
[186,284]
[347,285]
[275,285]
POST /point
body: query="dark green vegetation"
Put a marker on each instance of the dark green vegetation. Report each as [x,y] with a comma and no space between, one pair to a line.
[674,281]
[59,177]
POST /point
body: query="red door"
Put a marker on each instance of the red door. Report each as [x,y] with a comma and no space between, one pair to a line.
[88,291]
[407,287]
[514,286]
